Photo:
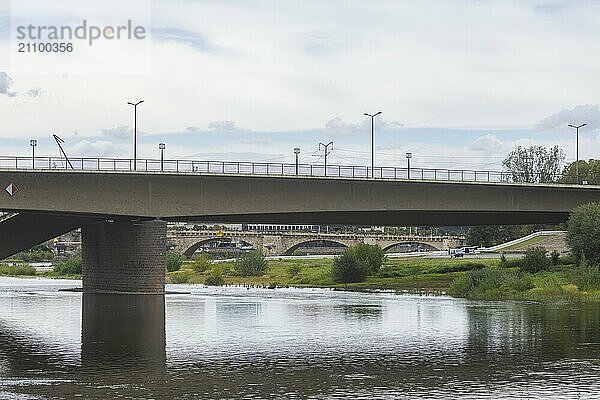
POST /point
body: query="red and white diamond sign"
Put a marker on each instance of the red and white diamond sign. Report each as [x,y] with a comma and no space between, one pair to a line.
[11,189]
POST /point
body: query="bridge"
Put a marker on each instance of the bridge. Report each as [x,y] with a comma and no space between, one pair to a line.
[123,213]
[187,242]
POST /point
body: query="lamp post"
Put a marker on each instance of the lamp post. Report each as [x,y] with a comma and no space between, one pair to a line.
[135,131]
[296,152]
[161,147]
[33,143]
[372,141]
[326,151]
[576,127]
[408,157]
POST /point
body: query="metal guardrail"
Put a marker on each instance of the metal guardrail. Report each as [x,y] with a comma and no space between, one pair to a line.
[275,169]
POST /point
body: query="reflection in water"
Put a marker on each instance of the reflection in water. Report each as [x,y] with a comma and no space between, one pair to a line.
[123,331]
[237,343]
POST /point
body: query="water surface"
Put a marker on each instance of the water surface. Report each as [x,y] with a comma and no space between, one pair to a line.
[290,343]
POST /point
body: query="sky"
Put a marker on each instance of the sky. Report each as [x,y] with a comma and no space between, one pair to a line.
[459,82]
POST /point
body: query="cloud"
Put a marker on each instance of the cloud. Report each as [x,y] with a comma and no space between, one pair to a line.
[338,125]
[225,126]
[34,92]
[99,148]
[582,114]
[119,132]
[195,40]
[487,143]
[5,85]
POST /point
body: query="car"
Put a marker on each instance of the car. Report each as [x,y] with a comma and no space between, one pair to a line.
[455,253]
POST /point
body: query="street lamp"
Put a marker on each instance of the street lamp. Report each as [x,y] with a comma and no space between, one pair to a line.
[326,151]
[33,143]
[135,131]
[408,157]
[161,147]
[296,152]
[577,165]
[372,141]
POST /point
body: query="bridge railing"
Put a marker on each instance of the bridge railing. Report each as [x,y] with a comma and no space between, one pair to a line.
[275,169]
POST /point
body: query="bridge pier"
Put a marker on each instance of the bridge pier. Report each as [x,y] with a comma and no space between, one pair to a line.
[124,257]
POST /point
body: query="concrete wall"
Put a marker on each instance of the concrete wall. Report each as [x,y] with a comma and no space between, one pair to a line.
[268,199]
[127,257]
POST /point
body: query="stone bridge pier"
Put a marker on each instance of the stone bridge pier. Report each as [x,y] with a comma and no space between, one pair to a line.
[124,257]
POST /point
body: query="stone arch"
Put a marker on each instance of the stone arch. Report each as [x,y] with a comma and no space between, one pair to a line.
[192,249]
[388,247]
[290,250]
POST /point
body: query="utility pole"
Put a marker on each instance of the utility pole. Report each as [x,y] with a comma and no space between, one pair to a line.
[373,141]
[296,152]
[33,143]
[161,147]
[135,131]
[576,127]
[326,151]
[408,157]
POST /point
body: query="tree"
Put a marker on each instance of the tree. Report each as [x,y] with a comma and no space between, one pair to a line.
[486,236]
[535,259]
[252,263]
[346,269]
[535,164]
[173,261]
[357,262]
[588,171]
[370,256]
[583,233]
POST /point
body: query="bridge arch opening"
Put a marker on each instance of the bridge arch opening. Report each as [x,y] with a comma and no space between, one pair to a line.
[316,246]
[409,247]
[216,244]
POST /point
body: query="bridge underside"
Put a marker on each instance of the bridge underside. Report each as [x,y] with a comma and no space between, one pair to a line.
[390,218]
[126,255]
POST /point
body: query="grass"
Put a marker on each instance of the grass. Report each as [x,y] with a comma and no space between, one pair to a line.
[397,274]
[17,270]
[486,279]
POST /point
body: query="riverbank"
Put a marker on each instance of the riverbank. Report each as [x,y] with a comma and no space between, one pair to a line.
[483,278]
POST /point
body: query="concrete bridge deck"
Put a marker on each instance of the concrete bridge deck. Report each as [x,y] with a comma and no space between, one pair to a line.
[123,213]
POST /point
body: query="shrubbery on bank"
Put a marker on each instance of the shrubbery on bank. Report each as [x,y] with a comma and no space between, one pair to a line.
[70,266]
[358,262]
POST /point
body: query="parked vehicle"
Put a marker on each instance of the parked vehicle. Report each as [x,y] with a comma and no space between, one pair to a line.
[455,253]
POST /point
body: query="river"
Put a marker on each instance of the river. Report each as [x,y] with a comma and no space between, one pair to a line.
[290,344]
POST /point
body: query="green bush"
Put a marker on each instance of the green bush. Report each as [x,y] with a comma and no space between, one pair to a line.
[468,266]
[535,259]
[554,257]
[173,261]
[491,282]
[252,263]
[70,266]
[201,263]
[583,232]
[214,280]
[503,260]
[370,256]
[346,269]
[586,276]
[357,262]
[16,270]
[37,255]
[180,276]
